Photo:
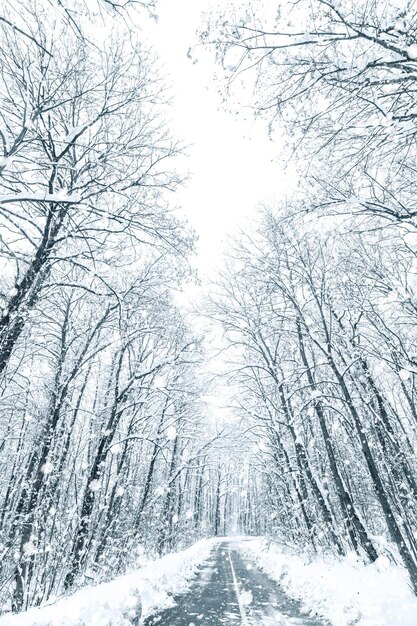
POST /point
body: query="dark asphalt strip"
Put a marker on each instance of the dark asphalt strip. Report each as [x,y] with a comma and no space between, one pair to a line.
[228,590]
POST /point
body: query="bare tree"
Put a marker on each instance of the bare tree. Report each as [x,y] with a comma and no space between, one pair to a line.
[307,346]
[83,164]
[341,80]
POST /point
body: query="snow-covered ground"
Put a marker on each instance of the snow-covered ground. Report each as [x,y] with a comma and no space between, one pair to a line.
[116,602]
[345,592]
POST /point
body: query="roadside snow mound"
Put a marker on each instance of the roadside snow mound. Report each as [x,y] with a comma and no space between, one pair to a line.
[345,592]
[117,602]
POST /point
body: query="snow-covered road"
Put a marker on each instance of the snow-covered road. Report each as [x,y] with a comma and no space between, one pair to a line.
[238,581]
[229,589]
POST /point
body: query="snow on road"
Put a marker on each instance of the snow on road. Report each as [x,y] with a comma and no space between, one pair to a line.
[345,592]
[238,582]
[116,603]
[229,591]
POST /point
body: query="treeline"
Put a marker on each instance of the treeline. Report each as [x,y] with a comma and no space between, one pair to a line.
[323,332]
[321,301]
[103,446]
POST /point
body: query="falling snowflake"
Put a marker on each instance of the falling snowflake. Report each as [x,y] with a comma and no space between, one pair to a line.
[246,597]
[94,485]
[47,468]
[405,374]
[412,51]
[29,548]
[116,448]
[171,433]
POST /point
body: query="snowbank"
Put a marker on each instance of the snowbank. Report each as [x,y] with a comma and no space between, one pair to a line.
[345,592]
[117,602]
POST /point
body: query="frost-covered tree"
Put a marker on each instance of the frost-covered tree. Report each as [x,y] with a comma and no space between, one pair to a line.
[339,78]
[101,416]
[85,159]
[322,329]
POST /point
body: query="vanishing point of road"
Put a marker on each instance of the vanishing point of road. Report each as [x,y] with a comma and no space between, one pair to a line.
[228,590]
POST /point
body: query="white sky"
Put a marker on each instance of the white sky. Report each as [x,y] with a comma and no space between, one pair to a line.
[232,162]
[230,159]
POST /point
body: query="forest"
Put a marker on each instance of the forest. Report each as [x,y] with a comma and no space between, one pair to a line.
[109,446]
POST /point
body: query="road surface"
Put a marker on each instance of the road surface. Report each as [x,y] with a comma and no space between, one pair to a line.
[228,590]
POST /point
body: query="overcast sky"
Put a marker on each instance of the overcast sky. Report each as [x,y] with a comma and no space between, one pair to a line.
[232,162]
[230,159]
